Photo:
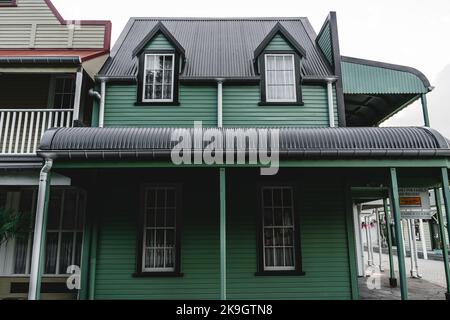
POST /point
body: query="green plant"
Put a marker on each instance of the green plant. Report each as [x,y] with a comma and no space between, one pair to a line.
[13,225]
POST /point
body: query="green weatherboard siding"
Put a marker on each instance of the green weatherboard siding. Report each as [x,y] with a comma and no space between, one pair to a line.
[159,42]
[199,103]
[278,44]
[323,236]
[325,43]
[241,109]
[364,79]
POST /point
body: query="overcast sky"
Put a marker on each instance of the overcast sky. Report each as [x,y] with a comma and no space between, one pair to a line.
[409,32]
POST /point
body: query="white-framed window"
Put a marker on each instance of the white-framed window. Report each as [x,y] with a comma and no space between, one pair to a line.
[64,93]
[280,78]
[278,229]
[158,82]
[64,231]
[159,236]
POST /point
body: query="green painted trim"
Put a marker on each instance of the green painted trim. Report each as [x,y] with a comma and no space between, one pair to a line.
[431,163]
[426,117]
[389,238]
[43,237]
[351,243]
[85,252]
[446,193]
[395,198]
[93,261]
[223,239]
[441,222]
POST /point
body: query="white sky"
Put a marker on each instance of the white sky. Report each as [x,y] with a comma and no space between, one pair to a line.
[409,32]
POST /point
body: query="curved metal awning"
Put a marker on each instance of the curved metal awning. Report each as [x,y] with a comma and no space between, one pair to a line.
[374,91]
[293,143]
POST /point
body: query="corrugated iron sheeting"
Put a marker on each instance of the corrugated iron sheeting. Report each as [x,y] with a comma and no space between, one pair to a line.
[94,143]
[214,47]
[378,78]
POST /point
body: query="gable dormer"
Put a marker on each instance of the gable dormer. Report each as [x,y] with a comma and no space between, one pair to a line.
[160,62]
[278,60]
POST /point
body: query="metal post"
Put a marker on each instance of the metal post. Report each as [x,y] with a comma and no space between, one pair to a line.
[422,238]
[223,244]
[37,257]
[370,240]
[358,244]
[441,222]
[414,255]
[380,249]
[77,97]
[446,193]
[395,200]
[387,216]
[408,226]
[369,261]
[426,118]
[93,260]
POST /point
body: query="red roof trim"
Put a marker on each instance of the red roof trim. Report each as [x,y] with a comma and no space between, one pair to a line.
[12,4]
[106,23]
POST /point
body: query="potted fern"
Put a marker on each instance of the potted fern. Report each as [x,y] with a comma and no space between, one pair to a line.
[13,225]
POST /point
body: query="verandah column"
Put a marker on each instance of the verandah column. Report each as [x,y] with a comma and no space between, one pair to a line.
[395,200]
[437,196]
[38,253]
[387,216]
[223,239]
[446,193]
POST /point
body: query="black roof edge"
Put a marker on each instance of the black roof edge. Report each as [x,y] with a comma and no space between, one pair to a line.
[159,28]
[391,66]
[30,60]
[279,29]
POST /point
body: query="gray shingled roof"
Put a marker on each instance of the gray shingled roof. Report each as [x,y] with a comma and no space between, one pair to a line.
[141,143]
[215,47]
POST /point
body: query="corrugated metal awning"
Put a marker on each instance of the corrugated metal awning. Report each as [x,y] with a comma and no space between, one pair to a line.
[295,143]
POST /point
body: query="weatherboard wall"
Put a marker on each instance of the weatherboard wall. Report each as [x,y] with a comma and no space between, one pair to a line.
[323,237]
[199,103]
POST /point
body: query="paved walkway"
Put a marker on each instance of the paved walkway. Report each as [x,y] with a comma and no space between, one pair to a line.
[430,287]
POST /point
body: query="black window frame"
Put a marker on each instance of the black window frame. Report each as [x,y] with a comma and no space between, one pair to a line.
[298,78]
[261,271]
[141,75]
[139,273]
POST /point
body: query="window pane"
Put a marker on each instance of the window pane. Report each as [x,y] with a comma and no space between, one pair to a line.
[278,237]
[149,258]
[268,217]
[149,92]
[279,63]
[150,62]
[278,214]
[160,62]
[167,94]
[288,235]
[78,249]
[150,238]
[268,257]
[170,258]
[170,198]
[150,220]
[277,196]
[159,238]
[158,77]
[170,217]
[279,257]
[51,251]
[170,238]
[160,217]
[159,263]
[289,257]
[268,237]
[65,254]
[287,218]
[20,255]
[267,197]
[168,63]
[149,77]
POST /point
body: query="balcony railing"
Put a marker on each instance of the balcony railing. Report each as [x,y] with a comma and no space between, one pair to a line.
[22,129]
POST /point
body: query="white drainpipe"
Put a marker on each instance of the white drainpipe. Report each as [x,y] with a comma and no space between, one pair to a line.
[330,102]
[101,113]
[39,232]
[77,98]
[219,103]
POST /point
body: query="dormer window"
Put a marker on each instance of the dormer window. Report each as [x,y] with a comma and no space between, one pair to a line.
[280,78]
[158,78]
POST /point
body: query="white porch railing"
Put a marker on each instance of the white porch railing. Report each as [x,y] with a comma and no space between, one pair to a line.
[22,129]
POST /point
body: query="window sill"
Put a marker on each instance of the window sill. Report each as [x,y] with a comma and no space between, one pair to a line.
[293,273]
[158,275]
[157,104]
[281,104]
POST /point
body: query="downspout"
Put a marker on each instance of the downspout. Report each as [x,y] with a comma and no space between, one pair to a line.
[101,97]
[39,231]
[331,118]
[220,103]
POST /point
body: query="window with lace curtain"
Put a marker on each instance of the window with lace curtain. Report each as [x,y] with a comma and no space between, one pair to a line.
[64,231]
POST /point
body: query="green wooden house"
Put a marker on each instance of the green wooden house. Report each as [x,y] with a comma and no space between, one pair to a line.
[201,229]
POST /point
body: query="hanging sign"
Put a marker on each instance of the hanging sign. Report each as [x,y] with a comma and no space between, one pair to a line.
[415,203]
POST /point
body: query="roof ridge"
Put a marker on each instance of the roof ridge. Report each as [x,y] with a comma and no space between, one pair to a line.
[221,18]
